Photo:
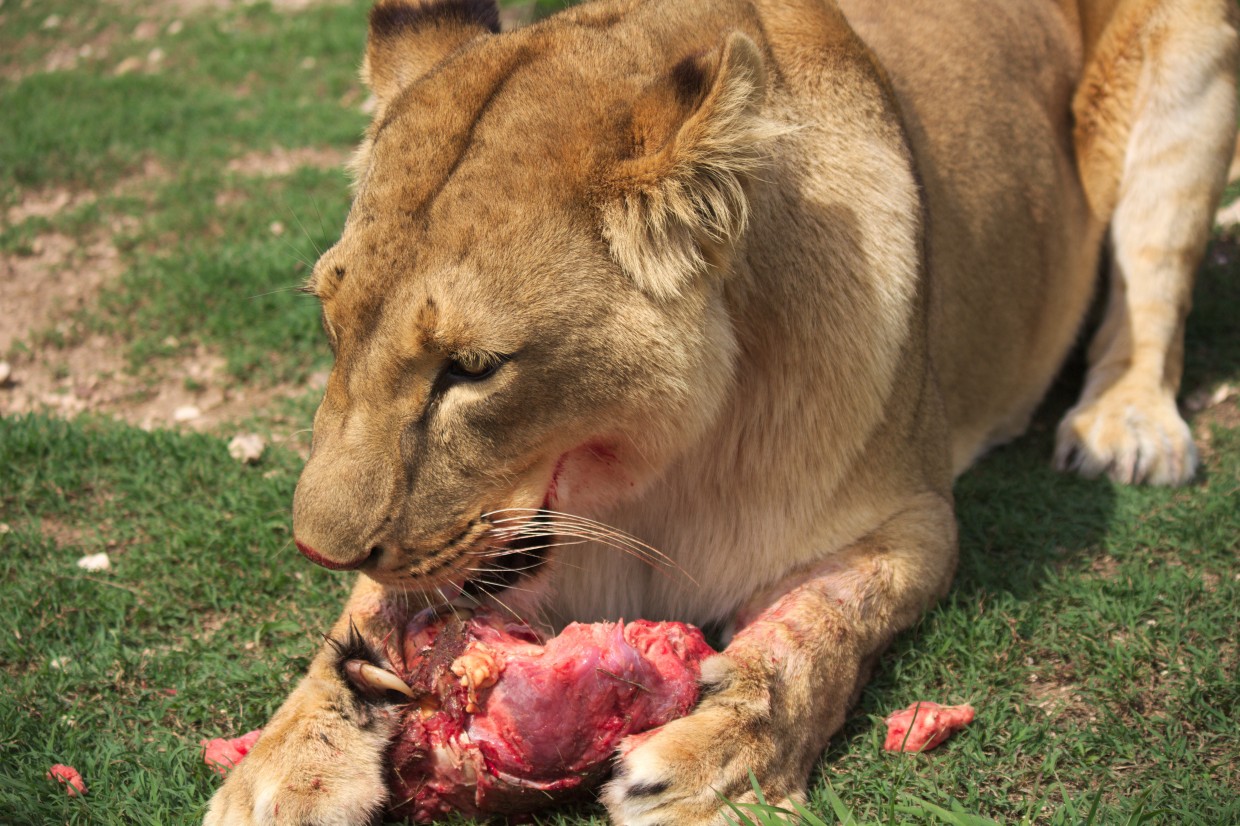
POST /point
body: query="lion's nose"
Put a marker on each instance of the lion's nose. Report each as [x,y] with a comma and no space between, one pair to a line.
[318,559]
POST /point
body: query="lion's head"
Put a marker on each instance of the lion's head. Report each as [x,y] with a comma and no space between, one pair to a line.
[527,304]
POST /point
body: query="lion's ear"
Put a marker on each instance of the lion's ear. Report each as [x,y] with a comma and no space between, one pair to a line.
[409,37]
[674,206]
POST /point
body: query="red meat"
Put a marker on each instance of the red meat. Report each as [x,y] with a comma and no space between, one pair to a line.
[68,777]
[924,725]
[503,722]
[222,753]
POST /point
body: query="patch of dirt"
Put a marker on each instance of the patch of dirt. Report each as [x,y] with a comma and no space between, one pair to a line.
[210,623]
[59,369]
[64,534]
[59,278]
[85,534]
[47,203]
[281,161]
[1104,566]
[1059,700]
[70,50]
[191,391]
[75,49]
[175,7]
[44,286]
[55,200]
[1054,690]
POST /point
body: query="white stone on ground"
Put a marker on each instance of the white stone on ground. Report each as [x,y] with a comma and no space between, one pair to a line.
[95,562]
[1228,215]
[246,447]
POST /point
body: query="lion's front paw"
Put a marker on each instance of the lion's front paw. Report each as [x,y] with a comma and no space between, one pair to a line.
[681,773]
[312,765]
[1131,435]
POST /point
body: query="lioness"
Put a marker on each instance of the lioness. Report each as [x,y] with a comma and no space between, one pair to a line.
[752,281]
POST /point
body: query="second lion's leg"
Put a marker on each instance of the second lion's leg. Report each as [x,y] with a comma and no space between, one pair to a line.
[1156,126]
[784,684]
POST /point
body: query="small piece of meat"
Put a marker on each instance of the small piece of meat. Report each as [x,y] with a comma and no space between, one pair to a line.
[68,777]
[222,753]
[505,723]
[924,725]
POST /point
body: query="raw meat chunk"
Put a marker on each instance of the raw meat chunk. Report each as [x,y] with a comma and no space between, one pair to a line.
[924,725]
[503,722]
[68,777]
[222,753]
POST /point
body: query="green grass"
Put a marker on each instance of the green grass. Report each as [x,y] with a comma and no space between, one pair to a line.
[1092,625]
[202,261]
[204,600]
[228,280]
[227,84]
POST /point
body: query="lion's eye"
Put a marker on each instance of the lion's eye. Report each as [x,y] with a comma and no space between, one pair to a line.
[472,369]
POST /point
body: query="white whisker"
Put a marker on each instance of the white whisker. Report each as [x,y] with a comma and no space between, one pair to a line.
[505,569]
[661,562]
[530,523]
[505,606]
[554,528]
[492,551]
[560,517]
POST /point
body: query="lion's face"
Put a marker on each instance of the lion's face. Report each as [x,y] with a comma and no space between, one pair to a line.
[493,352]
[512,365]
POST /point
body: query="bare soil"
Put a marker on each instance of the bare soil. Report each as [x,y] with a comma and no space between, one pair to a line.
[191,391]
[178,7]
[281,161]
[55,367]
[60,277]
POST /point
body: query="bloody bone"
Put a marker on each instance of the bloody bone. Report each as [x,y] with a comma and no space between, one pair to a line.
[502,721]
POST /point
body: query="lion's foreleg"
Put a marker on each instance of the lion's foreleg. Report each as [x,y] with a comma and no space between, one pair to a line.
[782,687]
[1156,127]
[321,758]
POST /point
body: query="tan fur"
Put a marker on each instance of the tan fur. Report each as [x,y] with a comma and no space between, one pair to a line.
[759,278]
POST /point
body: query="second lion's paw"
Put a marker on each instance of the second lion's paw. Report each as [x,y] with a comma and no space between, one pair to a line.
[1132,436]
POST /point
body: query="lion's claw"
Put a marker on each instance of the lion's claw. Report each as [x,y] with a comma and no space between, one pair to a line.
[1130,437]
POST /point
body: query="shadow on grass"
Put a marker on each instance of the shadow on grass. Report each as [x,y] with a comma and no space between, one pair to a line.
[1018,517]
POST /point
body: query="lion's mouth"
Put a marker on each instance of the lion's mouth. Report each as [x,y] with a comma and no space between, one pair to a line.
[498,551]
[506,565]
